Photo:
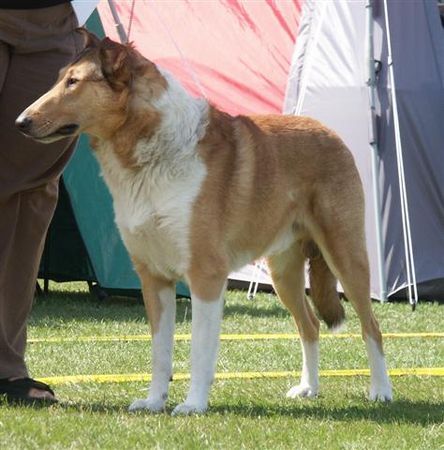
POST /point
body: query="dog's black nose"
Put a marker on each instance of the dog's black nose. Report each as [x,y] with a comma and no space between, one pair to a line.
[23,124]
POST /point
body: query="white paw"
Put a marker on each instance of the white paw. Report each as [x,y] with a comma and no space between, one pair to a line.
[381,392]
[147,404]
[302,391]
[185,409]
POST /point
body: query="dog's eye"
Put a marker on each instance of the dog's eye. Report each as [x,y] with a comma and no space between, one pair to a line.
[71,81]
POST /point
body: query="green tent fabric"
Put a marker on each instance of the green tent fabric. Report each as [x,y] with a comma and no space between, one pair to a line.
[65,257]
[83,242]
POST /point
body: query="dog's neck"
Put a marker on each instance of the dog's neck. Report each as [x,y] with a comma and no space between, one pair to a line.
[183,121]
[159,139]
[166,128]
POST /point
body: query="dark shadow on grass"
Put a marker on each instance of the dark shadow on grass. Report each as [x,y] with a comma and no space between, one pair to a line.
[95,407]
[67,405]
[107,408]
[399,411]
[251,309]
[86,307]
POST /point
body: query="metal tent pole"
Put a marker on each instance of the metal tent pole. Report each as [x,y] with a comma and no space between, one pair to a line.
[373,141]
[408,247]
[120,30]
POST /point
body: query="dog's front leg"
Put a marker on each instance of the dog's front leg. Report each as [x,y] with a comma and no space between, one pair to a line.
[205,330]
[159,296]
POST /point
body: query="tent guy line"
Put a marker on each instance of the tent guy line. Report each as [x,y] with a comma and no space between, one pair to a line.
[133,377]
[227,337]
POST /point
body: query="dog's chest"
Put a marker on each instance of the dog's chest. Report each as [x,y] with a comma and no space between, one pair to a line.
[153,213]
[156,236]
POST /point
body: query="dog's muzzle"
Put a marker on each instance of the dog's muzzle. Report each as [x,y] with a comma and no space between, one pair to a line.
[68,130]
[25,125]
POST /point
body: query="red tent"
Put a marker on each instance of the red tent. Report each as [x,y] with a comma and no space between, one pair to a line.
[235,53]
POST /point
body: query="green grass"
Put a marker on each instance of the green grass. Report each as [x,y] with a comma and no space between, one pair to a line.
[250,414]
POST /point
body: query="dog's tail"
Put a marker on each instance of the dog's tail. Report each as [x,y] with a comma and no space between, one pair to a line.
[323,288]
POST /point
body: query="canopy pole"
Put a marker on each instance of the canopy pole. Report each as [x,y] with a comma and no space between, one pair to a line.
[373,141]
[308,65]
[408,247]
[118,24]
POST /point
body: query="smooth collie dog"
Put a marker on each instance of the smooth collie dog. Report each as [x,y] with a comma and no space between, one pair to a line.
[198,193]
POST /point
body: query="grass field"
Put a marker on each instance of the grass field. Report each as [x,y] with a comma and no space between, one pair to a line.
[244,413]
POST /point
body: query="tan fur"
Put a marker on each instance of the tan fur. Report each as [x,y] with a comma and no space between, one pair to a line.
[287,271]
[323,287]
[139,125]
[269,173]
[151,287]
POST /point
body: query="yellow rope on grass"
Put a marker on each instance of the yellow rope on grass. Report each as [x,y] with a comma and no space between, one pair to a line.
[226,337]
[133,377]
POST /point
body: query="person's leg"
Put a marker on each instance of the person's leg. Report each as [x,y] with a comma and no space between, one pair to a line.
[29,174]
[24,220]
[4,63]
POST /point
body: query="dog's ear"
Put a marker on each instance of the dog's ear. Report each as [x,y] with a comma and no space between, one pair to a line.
[116,66]
[91,40]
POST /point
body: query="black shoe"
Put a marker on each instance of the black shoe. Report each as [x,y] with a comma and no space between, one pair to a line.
[16,392]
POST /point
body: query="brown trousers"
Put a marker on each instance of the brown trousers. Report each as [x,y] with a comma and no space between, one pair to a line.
[34,45]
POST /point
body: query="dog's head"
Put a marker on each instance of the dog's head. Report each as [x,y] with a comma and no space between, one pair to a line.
[92,94]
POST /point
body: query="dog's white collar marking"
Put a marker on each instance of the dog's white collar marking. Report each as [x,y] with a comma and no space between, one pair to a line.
[183,123]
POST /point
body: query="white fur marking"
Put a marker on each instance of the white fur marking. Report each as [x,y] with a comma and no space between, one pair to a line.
[309,385]
[162,356]
[282,242]
[206,321]
[380,386]
[153,203]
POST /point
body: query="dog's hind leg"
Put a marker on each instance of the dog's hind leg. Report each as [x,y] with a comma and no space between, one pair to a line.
[343,247]
[159,296]
[287,272]
[207,290]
